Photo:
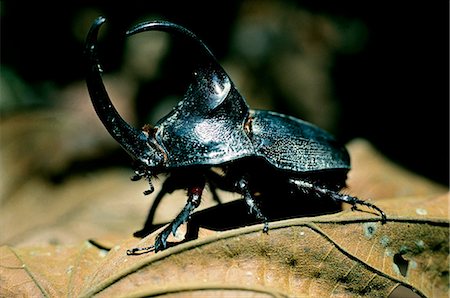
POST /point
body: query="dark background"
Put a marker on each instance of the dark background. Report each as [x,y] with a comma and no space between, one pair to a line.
[394,92]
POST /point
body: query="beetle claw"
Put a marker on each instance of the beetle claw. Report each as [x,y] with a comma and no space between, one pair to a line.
[140,250]
[148,191]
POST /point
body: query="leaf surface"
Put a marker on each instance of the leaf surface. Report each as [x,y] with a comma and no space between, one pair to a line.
[346,254]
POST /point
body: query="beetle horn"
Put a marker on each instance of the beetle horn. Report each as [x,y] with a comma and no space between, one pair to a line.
[173,28]
[132,140]
[210,77]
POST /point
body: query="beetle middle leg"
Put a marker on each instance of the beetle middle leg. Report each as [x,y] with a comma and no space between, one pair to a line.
[241,186]
[243,189]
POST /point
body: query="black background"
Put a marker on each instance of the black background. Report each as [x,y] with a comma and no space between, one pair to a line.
[393,93]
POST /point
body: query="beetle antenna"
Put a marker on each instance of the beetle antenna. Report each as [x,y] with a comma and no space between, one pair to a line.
[140,172]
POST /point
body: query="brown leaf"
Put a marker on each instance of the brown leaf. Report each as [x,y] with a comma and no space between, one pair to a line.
[345,254]
[374,176]
[84,207]
[53,271]
[105,205]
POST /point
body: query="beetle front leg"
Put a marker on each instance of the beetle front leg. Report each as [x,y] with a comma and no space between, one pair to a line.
[243,189]
[194,198]
[169,185]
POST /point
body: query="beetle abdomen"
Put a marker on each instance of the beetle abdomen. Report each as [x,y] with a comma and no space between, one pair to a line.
[291,144]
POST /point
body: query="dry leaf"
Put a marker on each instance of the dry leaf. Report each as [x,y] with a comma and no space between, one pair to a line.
[344,254]
[374,176]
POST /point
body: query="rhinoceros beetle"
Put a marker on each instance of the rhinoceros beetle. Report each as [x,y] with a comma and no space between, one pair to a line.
[213,127]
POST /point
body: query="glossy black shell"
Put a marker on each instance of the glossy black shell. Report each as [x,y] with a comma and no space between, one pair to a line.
[206,127]
[292,144]
[212,124]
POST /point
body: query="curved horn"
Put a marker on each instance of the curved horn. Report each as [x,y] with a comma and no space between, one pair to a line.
[132,140]
[210,78]
[172,28]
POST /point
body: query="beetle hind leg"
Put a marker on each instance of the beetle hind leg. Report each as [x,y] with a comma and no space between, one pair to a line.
[307,186]
[355,201]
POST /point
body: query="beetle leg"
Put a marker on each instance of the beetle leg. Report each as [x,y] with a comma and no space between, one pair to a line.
[194,198]
[168,186]
[355,201]
[338,196]
[216,181]
[243,189]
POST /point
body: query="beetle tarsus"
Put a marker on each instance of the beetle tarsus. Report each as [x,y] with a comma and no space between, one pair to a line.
[141,172]
[355,201]
[382,214]
[148,191]
[140,250]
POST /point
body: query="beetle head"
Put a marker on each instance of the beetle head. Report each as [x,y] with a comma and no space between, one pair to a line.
[140,144]
[209,111]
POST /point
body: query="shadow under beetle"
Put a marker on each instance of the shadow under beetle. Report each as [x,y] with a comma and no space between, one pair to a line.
[213,127]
